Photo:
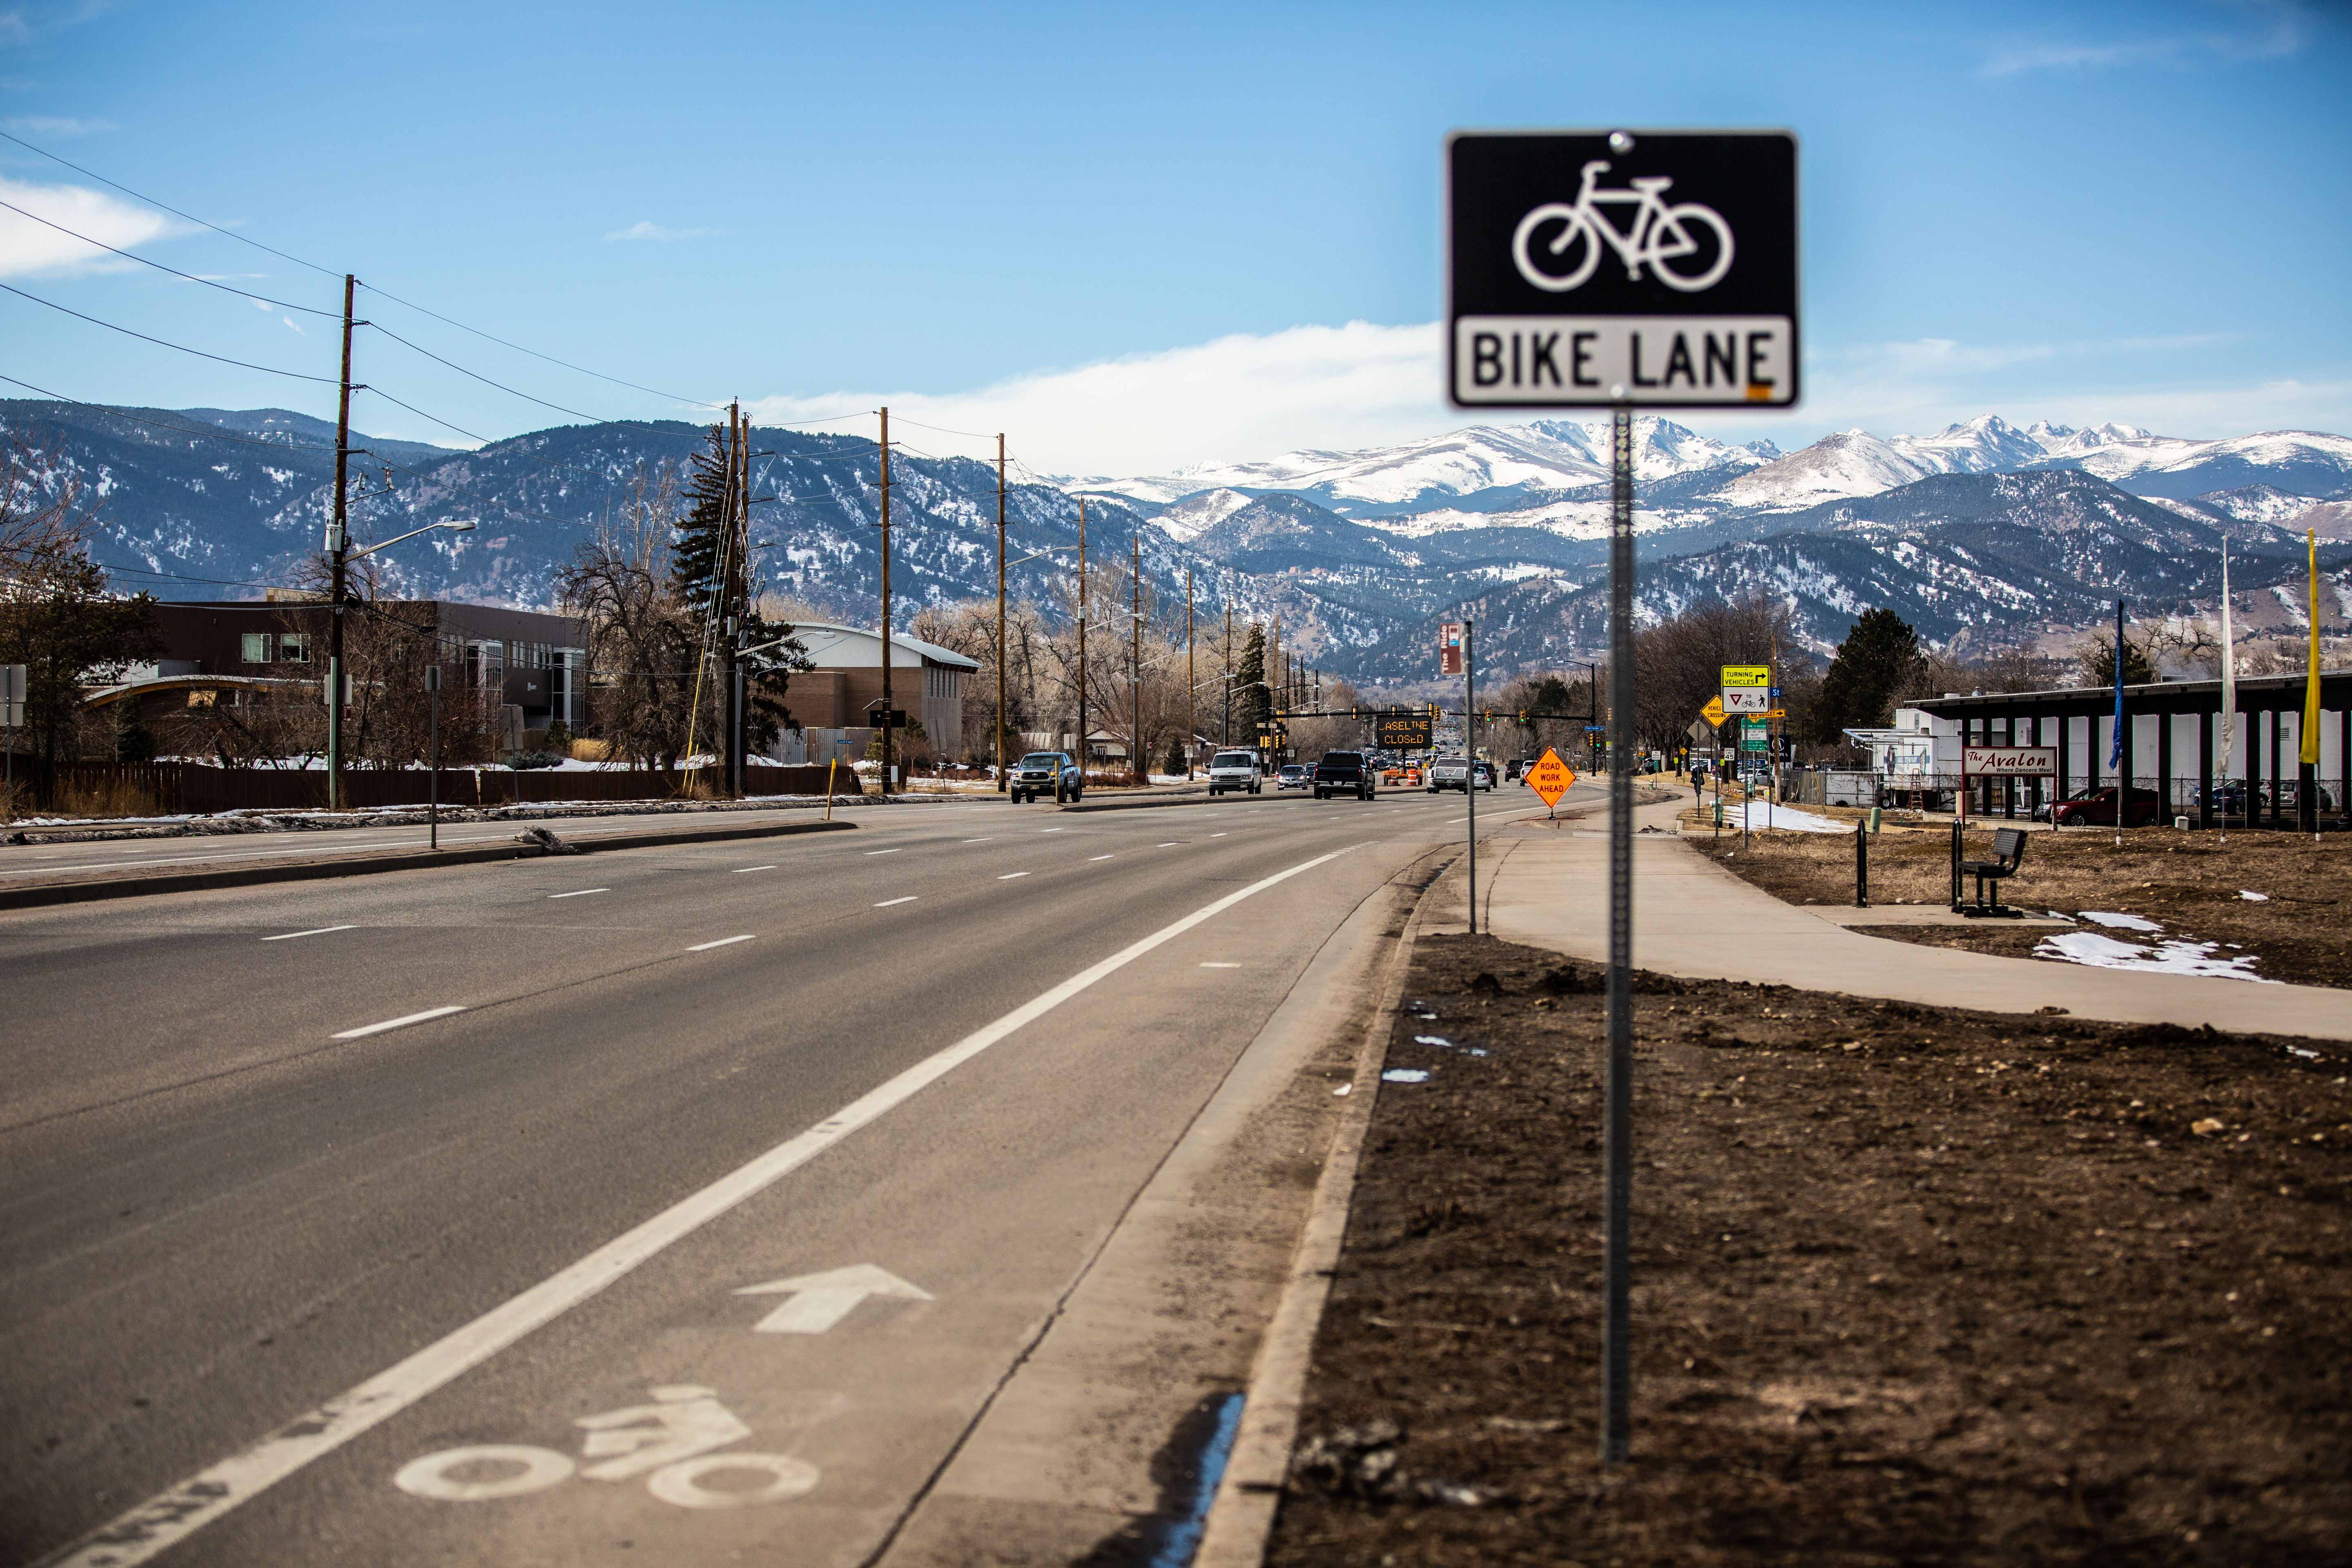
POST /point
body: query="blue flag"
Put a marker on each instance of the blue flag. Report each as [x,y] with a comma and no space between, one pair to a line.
[2116,746]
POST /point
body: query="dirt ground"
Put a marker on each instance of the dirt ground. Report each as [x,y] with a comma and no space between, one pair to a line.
[2190,884]
[1911,1286]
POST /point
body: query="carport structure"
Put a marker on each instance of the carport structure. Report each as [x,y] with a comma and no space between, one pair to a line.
[2263,750]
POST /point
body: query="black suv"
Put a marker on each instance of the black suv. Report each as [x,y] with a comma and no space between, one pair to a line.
[1045,773]
[1344,773]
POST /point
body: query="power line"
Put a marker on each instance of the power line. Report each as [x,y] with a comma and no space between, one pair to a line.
[485,380]
[207,282]
[216,432]
[175,212]
[242,365]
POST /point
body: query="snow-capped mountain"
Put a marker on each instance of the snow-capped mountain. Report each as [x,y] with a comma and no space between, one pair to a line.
[1483,468]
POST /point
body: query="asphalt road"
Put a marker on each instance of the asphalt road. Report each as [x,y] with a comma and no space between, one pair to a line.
[255,1236]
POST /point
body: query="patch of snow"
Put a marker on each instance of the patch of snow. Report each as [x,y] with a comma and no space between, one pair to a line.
[1789,819]
[2120,922]
[2166,958]
[1405,1074]
[2249,893]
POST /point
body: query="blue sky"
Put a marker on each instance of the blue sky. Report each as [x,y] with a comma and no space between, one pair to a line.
[1136,237]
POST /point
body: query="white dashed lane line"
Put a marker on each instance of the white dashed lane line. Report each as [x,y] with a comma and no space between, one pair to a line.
[1221,966]
[740,869]
[884,851]
[1010,875]
[317,931]
[1101,856]
[579,893]
[396,1023]
[722,942]
[888,902]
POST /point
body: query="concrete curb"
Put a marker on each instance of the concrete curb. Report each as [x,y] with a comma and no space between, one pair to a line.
[1241,1519]
[367,864]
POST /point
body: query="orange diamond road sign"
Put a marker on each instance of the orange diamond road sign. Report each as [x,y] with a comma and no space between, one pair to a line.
[1550,777]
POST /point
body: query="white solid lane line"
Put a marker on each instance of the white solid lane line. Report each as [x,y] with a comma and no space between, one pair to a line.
[722,942]
[740,869]
[888,902]
[581,894]
[396,1023]
[1010,875]
[163,1521]
[315,931]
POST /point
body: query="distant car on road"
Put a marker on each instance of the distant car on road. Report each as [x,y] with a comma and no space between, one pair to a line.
[1344,773]
[1486,775]
[1036,775]
[1454,773]
[1236,772]
[1293,775]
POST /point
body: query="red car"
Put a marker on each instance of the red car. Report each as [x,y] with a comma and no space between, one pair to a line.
[2145,808]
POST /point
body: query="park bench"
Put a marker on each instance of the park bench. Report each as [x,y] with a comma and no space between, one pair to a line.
[2008,852]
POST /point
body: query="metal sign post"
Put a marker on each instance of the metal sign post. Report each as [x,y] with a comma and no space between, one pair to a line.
[1614,270]
[433,784]
[12,709]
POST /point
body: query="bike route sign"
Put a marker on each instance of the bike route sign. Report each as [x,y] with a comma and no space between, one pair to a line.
[1591,268]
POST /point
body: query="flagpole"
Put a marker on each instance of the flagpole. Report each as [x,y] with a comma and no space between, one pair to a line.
[2229,685]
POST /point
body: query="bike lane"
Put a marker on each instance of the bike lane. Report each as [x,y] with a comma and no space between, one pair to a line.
[894,1278]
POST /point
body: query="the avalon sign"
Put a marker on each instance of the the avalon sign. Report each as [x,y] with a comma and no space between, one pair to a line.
[2011,762]
[1598,268]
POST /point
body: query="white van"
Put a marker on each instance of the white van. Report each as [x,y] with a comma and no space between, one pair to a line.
[1237,771]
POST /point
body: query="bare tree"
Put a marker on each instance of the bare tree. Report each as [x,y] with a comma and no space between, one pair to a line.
[643,644]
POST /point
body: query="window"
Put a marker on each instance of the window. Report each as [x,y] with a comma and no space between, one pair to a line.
[294,648]
[255,647]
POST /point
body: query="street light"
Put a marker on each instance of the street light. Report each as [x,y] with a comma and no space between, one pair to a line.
[338,547]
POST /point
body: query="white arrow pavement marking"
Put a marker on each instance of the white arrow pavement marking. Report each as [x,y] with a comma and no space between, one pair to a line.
[820,1300]
[153,1527]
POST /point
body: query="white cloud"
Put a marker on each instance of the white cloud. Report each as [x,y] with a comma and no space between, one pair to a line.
[654,231]
[2282,30]
[34,249]
[55,126]
[1239,396]
[1252,397]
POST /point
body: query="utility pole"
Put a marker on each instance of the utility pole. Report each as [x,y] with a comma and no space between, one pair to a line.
[338,543]
[1082,643]
[1470,757]
[1001,784]
[1135,664]
[1188,675]
[885,601]
[724,612]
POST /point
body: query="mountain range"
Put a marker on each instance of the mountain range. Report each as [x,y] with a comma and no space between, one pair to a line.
[1983,529]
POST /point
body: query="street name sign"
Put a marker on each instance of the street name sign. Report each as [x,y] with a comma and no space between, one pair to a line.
[1550,777]
[1594,268]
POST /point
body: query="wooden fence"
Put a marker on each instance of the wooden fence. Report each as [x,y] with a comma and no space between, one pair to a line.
[174,788]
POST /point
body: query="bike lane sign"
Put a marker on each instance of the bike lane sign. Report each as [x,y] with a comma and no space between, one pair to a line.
[1587,268]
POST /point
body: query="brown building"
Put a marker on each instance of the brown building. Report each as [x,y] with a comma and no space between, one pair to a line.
[832,700]
[538,662]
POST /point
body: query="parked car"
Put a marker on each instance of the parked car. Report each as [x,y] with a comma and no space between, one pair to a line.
[1293,775]
[1236,773]
[1344,773]
[2087,806]
[1037,774]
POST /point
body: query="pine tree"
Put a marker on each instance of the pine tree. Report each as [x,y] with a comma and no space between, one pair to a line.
[1253,703]
[703,571]
[132,741]
[2099,664]
[1877,657]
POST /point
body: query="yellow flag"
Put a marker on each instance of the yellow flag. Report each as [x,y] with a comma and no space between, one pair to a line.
[2310,751]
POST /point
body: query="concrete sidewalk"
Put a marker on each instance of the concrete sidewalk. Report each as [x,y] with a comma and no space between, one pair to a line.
[1692,918]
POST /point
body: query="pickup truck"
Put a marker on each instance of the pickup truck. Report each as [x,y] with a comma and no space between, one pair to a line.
[1343,773]
[1038,774]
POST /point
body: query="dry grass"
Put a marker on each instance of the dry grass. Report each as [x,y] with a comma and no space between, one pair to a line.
[2192,884]
[112,799]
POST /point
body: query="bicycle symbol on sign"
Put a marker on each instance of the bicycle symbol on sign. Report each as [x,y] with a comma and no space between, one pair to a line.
[669,1442]
[1660,234]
